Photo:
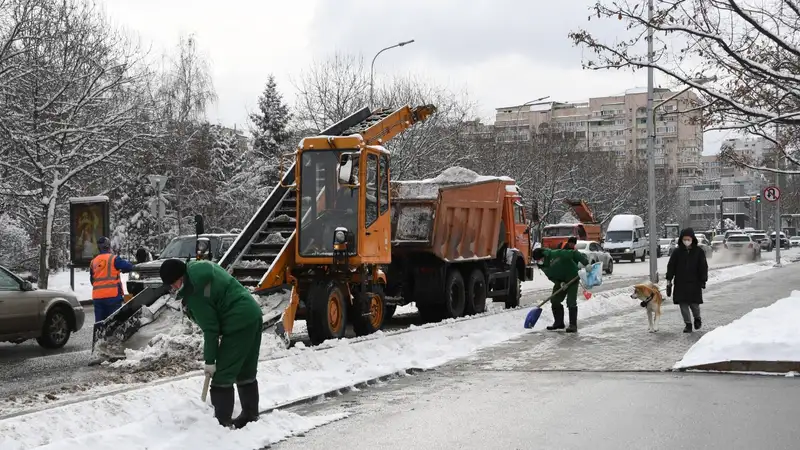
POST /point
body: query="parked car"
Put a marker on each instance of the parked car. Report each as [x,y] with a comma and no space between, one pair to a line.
[794,241]
[49,316]
[595,253]
[784,240]
[663,246]
[718,243]
[762,240]
[742,245]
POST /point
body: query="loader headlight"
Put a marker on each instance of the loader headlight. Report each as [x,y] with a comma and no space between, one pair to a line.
[339,236]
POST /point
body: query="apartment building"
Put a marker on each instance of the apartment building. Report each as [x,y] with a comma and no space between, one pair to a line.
[618,124]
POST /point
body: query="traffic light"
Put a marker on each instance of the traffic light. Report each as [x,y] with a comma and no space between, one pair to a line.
[758,198]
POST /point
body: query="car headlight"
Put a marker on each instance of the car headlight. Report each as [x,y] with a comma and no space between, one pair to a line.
[627,250]
[135,276]
[338,237]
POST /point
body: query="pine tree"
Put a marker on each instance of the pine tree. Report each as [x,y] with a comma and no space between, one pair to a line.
[269,128]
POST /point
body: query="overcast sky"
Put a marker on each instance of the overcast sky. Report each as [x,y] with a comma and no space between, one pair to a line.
[503,52]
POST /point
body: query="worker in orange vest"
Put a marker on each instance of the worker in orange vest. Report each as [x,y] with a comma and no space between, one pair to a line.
[104,273]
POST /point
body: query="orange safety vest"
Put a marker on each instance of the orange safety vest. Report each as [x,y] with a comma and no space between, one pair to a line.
[105,277]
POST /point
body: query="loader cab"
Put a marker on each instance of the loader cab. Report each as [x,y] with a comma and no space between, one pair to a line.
[344,215]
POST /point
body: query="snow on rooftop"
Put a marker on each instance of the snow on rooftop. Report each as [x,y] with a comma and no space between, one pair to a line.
[429,188]
[95,199]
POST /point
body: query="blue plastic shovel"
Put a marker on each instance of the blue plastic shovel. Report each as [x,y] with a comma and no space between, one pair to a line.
[536,311]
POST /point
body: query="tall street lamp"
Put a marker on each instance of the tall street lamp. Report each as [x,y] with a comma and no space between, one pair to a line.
[372,66]
[519,108]
[651,165]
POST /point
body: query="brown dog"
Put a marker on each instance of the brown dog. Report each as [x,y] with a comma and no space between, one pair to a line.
[651,299]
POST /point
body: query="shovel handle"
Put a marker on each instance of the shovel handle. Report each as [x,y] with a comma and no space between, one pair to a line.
[560,290]
[204,394]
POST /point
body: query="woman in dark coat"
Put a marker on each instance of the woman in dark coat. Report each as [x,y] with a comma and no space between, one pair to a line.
[689,268]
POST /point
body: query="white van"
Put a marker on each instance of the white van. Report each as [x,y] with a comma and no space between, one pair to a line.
[625,238]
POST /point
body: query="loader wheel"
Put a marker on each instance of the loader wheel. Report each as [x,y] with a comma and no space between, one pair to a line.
[512,298]
[328,313]
[455,297]
[476,293]
[376,314]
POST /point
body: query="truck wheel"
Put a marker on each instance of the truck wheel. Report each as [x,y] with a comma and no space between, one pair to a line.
[328,312]
[56,330]
[610,268]
[368,324]
[476,293]
[455,297]
[512,298]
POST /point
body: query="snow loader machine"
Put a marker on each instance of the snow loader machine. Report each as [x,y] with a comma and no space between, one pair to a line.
[467,236]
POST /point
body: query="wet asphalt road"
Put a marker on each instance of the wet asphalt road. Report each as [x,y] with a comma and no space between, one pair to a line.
[562,410]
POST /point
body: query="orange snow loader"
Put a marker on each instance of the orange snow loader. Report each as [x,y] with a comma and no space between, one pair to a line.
[360,245]
[553,236]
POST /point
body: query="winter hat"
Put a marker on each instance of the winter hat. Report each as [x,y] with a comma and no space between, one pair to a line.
[104,244]
[172,270]
[538,253]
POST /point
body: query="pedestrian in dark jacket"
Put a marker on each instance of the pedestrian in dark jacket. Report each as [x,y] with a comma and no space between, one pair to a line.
[561,267]
[689,268]
[231,322]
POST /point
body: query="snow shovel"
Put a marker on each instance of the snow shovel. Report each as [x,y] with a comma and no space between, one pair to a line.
[204,394]
[536,311]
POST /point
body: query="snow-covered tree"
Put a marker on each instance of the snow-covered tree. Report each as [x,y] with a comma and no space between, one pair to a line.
[74,95]
[15,244]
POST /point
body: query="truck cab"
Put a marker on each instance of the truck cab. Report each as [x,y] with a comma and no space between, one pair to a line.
[553,236]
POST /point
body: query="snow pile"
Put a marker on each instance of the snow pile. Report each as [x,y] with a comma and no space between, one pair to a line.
[253,264]
[763,334]
[429,188]
[275,238]
[282,218]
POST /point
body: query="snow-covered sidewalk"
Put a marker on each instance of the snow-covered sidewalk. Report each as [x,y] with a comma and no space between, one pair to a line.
[768,334]
[170,415]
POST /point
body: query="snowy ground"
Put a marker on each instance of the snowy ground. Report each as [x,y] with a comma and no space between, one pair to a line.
[168,414]
[764,334]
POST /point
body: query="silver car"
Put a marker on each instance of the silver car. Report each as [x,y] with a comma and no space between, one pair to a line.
[48,316]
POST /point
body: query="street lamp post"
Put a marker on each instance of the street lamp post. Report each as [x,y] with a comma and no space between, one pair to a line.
[651,142]
[519,108]
[372,66]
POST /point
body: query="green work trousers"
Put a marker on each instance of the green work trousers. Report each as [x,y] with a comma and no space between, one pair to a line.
[571,294]
[237,357]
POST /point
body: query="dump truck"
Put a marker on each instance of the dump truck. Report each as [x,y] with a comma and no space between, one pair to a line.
[554,235]
[456,244]
[341,257]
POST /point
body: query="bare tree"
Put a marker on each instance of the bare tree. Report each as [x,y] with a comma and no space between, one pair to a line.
[330,90]
[185,93]
[75,94]
[752,49]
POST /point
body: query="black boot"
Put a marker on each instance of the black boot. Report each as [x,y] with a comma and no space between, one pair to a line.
[697,323]
[573,320]
[558,318]
[222,400]
[248,397]
[687,328]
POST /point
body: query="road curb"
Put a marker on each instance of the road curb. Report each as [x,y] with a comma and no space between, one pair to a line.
[775,367]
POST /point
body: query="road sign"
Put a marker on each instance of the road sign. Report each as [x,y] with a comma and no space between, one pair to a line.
[158,182]
[772,193]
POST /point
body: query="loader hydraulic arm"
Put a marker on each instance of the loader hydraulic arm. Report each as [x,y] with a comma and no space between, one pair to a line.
[384,125]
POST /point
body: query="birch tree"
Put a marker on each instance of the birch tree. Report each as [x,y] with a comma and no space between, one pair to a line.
[753,48]
[75,95]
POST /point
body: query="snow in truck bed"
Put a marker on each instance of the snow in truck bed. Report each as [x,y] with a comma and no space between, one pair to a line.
[428,189]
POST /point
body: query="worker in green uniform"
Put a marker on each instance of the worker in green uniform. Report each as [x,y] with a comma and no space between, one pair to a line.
[561,266]
[231,322]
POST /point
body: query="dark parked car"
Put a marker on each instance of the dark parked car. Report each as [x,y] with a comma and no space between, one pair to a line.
[784,240]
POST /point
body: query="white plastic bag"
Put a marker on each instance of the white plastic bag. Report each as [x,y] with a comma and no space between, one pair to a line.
[593,276]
